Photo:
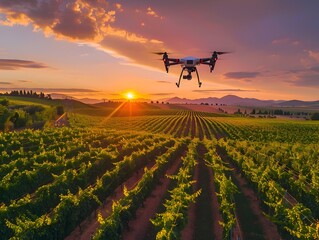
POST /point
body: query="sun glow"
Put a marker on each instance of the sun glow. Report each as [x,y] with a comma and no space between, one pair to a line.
[129,96]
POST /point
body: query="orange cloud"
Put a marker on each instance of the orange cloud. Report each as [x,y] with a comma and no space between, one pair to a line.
[79,20]
[14,18]
[152,13]
[119,7]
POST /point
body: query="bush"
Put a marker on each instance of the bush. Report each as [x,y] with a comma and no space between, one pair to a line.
[315,116]
[4,102]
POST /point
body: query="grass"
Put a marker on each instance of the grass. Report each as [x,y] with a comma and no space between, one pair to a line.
[14,100]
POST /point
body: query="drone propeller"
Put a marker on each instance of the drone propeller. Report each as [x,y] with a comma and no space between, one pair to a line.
[160,53]
[220,53]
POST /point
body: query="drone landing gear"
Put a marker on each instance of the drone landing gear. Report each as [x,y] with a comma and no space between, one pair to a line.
[199,82]
[189,76]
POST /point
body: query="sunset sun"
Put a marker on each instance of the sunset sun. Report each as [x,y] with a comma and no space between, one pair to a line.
[129,96]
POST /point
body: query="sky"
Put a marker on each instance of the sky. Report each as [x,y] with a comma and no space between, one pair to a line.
[103,49]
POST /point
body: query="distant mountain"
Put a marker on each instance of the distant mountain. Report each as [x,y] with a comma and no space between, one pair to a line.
[298,103]
[123,100]
[228,100]
[91,100]
[83,100]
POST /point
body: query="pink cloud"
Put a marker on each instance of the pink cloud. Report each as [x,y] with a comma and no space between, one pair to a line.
[15,64]
[314,55]
[92,22]
[286,41]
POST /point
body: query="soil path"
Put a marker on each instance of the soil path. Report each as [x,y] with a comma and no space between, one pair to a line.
[203,216]
[193,126]
[269,229]
[188,126]
[140,226]
[89,226]
[199,127]
[179,128]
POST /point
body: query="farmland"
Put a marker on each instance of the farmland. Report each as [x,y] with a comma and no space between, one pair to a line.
[161,174]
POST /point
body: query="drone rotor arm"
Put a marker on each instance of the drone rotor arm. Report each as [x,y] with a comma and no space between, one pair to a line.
[174,63]
[204,60]
[174,60]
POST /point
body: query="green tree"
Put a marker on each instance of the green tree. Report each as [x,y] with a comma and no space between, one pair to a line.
[4,102]
[315,116]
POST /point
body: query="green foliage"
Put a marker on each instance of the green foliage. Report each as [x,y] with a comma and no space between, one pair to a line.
[170,223]
[282,175]
[315,116]
[51,180]
[4,102]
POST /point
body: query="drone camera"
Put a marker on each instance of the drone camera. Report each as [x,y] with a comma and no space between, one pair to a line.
[188,77]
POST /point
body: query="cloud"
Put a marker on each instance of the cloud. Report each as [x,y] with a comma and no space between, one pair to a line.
[161,81]
[15,64]
[5,83]
[226,90]
[314,55]
[285,41]
[313,69]
[58,90]
[241,75]
[24,81]
[75,19]
[67,90]
[89,21]
[305,80]
[119,7]
[161,94]
[308,77]
[152,13]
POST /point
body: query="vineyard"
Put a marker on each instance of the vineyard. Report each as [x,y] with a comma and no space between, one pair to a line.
[172,174]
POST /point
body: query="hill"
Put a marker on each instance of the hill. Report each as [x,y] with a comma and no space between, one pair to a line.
[298,103]
[226,100]
[239,101]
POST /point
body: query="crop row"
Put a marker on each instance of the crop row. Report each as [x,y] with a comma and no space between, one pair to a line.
[291,216]
[43,211]
[124,209]
[187,123]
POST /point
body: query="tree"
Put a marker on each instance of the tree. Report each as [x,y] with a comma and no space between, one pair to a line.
[315,116]
[4,102]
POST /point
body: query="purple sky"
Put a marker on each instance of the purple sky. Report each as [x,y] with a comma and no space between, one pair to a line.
[105,47]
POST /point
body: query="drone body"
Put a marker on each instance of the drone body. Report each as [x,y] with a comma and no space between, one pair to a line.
[189,64]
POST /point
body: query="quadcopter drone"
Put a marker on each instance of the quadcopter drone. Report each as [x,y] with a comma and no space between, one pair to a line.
[189,64]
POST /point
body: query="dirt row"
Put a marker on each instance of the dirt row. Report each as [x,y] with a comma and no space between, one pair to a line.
[203,216]
[253,222]
[140,226]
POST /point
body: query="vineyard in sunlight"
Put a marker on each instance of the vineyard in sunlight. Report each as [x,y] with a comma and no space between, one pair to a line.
[171,174]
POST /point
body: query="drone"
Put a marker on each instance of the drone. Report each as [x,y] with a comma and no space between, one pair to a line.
[189,64]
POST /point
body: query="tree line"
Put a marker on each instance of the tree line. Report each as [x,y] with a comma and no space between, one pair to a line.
[24,93]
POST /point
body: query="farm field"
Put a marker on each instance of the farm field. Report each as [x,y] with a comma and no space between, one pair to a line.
[161,174]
